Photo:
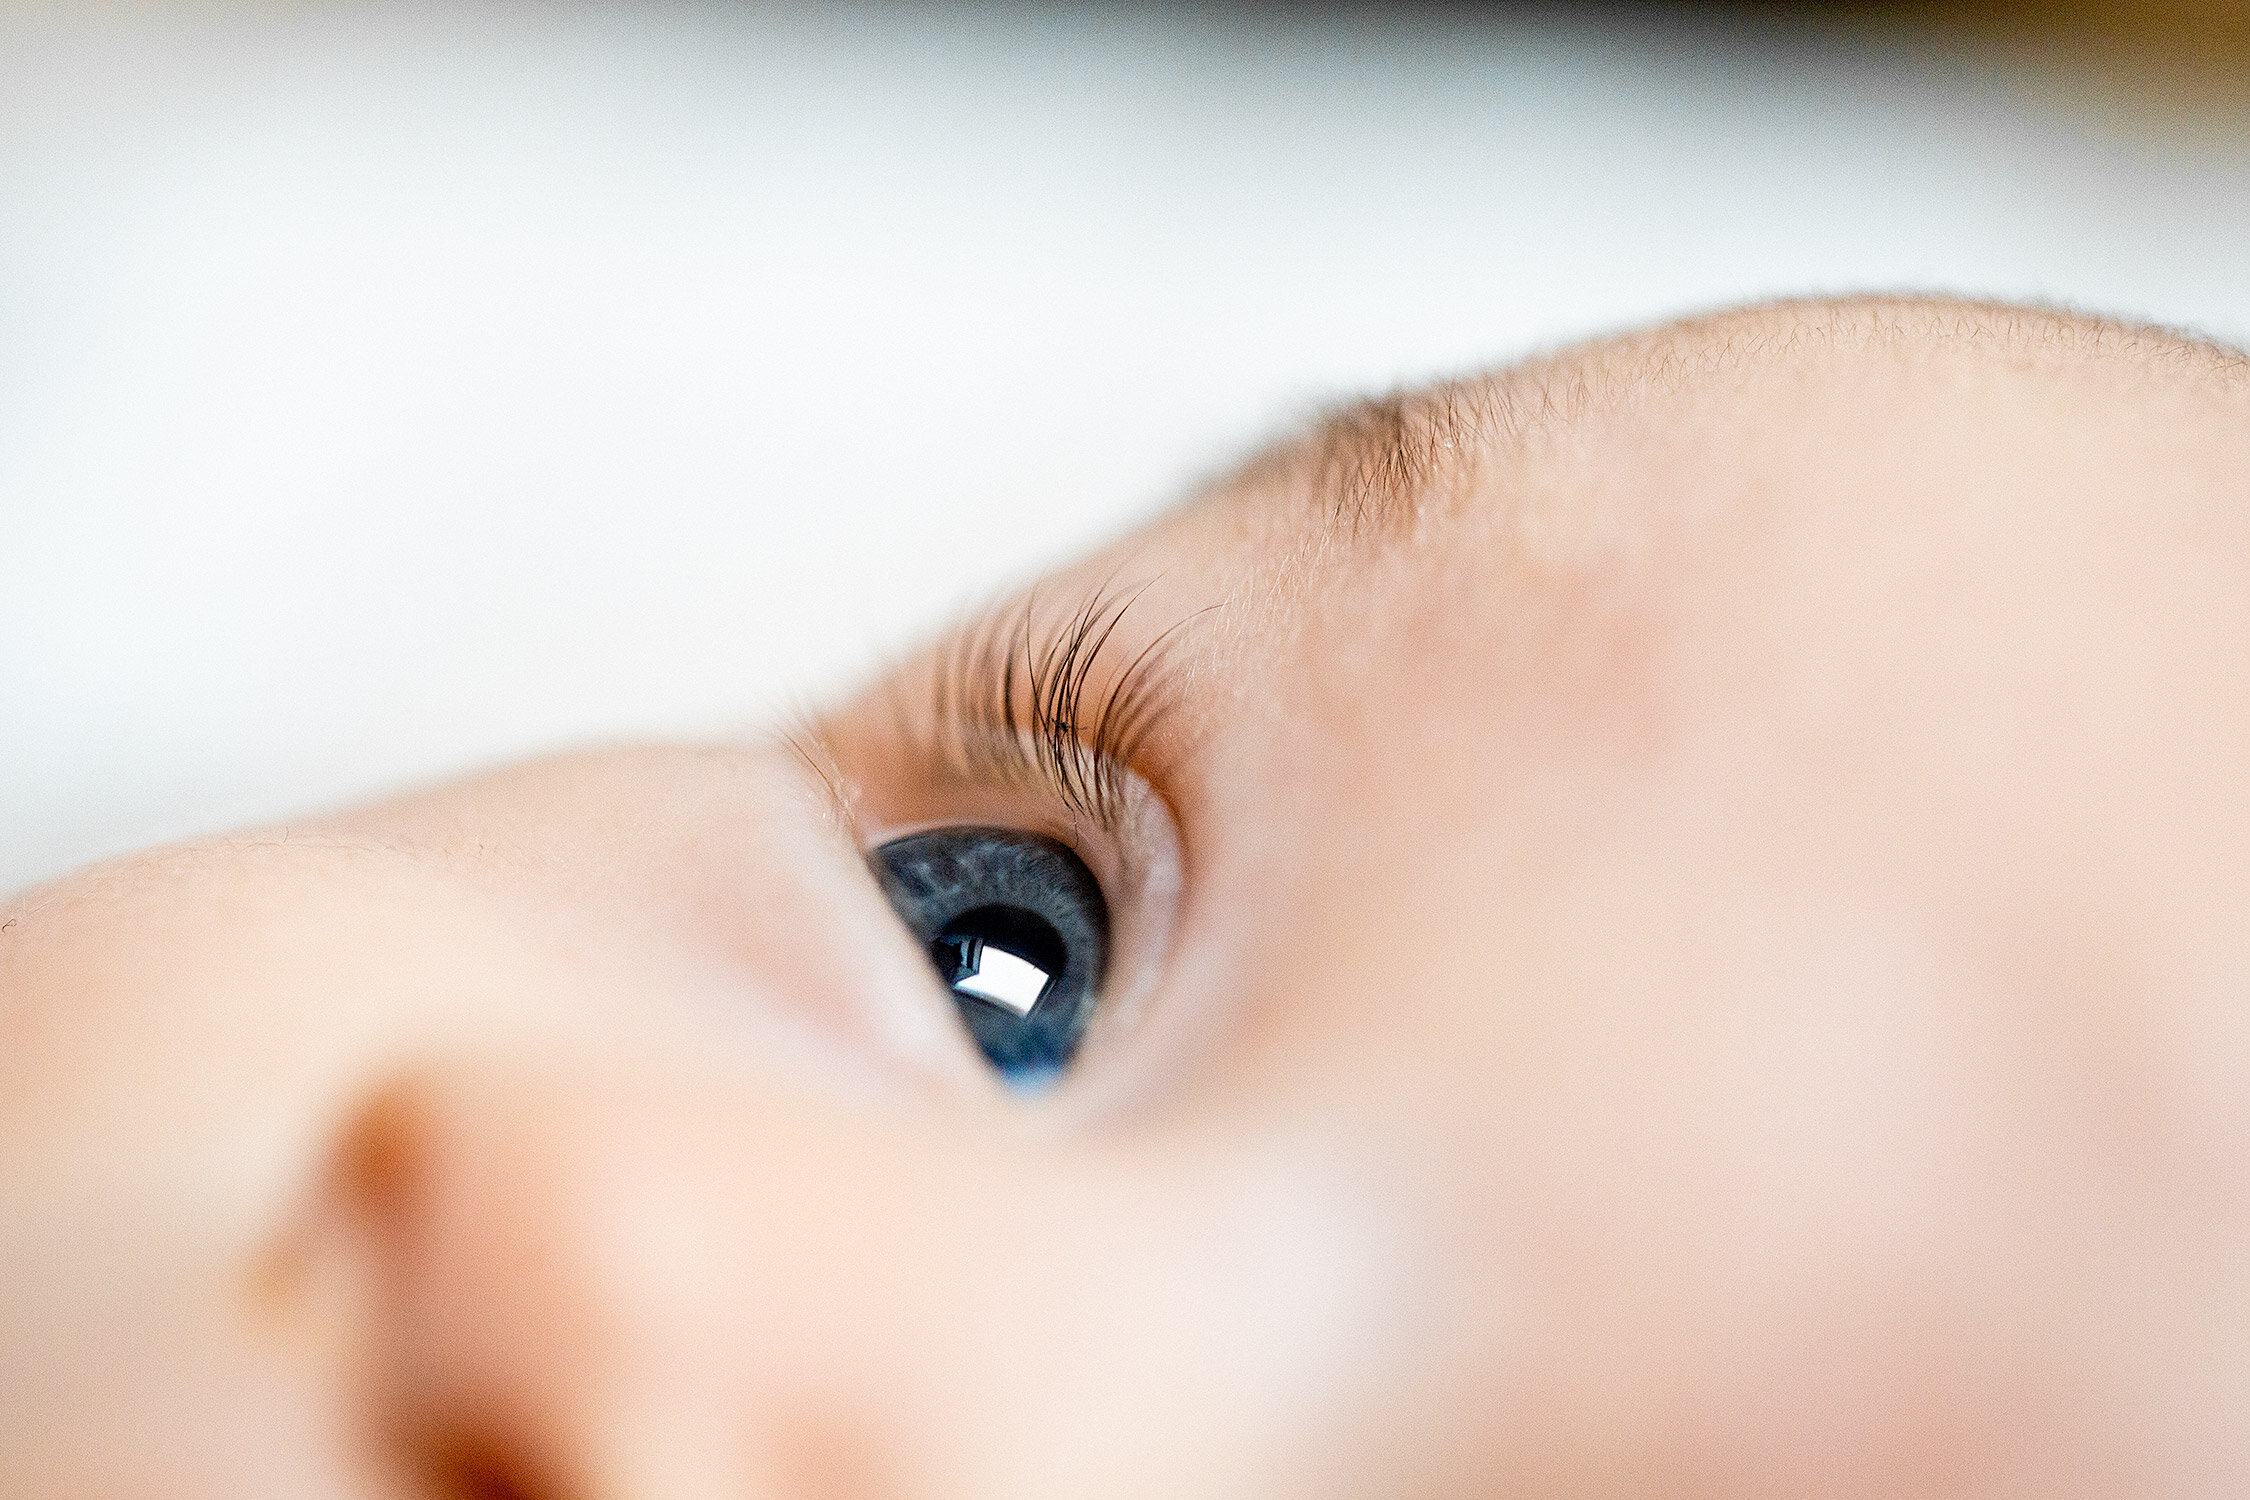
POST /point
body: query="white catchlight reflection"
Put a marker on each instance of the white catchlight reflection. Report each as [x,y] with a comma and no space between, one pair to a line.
[1004,979]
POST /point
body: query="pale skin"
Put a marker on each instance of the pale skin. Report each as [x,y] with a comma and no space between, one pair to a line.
[1710,957]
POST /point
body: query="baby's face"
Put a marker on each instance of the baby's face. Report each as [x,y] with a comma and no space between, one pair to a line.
[1677,922]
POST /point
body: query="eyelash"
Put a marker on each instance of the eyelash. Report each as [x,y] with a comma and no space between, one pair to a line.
[1009,702]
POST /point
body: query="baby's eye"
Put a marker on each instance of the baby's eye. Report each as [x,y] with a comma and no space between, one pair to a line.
[1017,929]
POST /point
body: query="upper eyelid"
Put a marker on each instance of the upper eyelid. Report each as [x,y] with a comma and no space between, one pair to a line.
[1029,693]
[1021,692]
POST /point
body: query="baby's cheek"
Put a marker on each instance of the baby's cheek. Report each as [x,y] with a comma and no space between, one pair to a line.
[1715,1174]
[1814,1231]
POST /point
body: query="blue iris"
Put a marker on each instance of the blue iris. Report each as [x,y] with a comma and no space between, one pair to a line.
[1018,931]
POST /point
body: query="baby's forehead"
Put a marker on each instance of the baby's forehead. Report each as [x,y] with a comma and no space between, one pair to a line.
[1823,492]
[1809,498]
[1747,391]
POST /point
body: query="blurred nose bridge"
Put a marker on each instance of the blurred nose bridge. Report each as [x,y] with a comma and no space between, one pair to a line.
[594,1287]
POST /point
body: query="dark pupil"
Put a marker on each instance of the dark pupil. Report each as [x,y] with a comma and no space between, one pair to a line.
[1017,929]
[1003,955]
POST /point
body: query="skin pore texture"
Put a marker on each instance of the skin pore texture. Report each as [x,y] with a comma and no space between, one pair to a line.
[1684,931]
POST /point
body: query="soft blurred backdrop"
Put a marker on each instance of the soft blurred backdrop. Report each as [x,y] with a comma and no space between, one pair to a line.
[389,390]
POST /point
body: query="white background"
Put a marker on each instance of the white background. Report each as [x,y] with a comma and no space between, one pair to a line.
[384,392]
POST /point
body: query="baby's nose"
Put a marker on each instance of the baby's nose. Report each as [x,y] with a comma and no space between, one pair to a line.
[624,1287]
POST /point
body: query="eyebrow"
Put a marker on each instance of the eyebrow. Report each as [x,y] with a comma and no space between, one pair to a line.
[1373,466]
[1370,467]
[1368,471]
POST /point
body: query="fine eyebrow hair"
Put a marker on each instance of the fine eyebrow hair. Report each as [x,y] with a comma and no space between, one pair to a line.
[1372,467]
[1372,462]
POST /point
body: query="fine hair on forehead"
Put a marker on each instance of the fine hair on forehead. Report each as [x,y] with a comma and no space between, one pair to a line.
[1371,465]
